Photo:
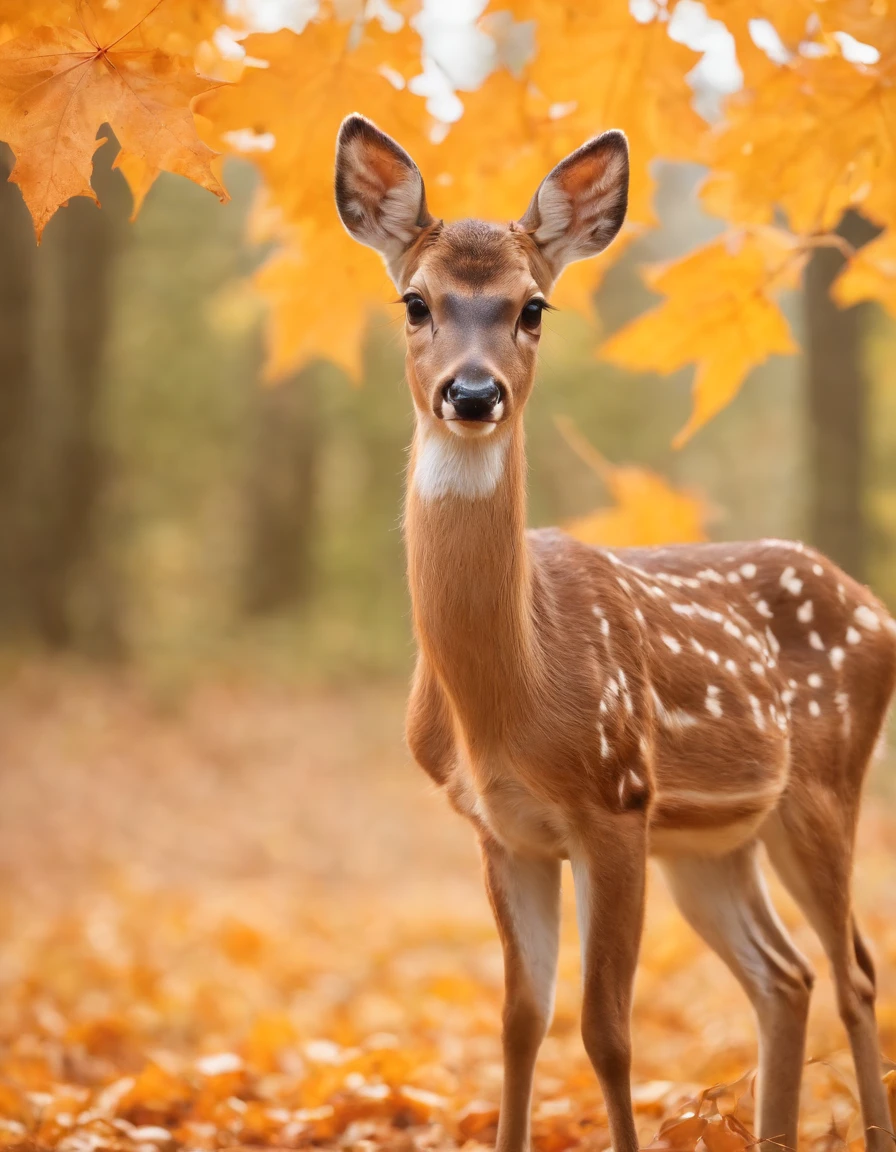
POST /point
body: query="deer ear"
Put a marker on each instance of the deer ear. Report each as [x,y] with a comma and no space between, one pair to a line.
[579,206]
[379,190]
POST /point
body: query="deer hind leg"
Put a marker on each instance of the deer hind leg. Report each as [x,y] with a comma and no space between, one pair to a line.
[726,901]
[524,893]
[810,841]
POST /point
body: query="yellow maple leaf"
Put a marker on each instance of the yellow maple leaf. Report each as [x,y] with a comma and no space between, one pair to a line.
[719,313]
[310,81]
[319,290]
[174,26]
[870,275]
[610,70]
[58,85]
[811,136]
[647,509]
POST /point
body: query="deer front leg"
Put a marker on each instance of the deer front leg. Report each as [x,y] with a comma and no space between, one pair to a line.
[525,897]
[609,872]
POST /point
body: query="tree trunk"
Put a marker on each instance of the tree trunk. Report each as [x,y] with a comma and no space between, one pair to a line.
[837,392]
[54,311]
[281,497]
[16,384]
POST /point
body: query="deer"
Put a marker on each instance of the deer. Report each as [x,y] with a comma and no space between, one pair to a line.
[701,704]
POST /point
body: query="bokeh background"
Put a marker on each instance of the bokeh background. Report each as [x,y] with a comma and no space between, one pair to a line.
[212,840]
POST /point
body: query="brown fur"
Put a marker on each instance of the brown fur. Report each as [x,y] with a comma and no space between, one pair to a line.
[580,704]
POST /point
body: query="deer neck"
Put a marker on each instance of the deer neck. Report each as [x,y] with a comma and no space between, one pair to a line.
[471,574]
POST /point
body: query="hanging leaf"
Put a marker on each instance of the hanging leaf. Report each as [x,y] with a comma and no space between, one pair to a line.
[58,85]
[719,313]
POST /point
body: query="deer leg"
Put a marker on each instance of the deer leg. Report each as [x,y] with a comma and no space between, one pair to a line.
[725,900]
[811,851]
[609,876]
[525,897]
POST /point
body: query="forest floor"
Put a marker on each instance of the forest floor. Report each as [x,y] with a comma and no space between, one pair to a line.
[250,920]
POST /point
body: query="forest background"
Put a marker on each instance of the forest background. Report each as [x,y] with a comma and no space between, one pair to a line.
[204,629]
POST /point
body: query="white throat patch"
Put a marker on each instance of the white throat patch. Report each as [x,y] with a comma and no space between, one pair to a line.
[456,466]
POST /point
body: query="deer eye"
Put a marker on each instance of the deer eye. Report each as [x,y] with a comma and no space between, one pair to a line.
[417,309]
[530,317]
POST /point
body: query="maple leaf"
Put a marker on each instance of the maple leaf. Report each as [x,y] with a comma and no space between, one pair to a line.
[719,313]
[176,26]
[59,85]
[870,275]
[610,70]
[310,82]
[811,136]
[647,511]
[328,322]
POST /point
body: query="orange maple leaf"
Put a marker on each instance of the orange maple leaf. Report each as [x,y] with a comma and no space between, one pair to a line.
[720,312]
[59,85]
[647,510]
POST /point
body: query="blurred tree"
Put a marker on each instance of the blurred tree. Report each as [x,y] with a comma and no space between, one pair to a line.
[16,291]
[57,586]
[837,399]
[281,496]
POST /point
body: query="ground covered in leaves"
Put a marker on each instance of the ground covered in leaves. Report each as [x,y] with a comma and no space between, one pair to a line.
[248,921]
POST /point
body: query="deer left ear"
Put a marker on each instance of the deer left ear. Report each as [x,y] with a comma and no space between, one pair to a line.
[580,206]
[379,191]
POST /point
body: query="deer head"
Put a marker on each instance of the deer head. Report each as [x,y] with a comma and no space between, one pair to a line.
[474,292]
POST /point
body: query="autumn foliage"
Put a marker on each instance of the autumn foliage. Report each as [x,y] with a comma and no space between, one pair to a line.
[806,135]
[299,953]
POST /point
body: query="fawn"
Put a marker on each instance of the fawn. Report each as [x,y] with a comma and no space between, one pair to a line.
[598,706]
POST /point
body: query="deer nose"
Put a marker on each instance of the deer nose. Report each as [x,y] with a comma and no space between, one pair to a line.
[472,399]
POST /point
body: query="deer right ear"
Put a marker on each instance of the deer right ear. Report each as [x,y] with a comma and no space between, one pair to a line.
[580,206]
[379,191]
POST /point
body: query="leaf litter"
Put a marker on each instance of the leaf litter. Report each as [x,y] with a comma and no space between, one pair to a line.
[249,922]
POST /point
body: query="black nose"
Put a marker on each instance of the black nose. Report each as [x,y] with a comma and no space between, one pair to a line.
[472,399]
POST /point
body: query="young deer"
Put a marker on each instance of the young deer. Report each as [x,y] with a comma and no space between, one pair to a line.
[594,706]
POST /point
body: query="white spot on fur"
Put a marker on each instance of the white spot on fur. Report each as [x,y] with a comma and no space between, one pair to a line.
[605,627]
[791,581]
[867,618]
[733,630]
[763,609]
[733,578]
[814,680]
[814,708]
[748,571]
[816,641]
[853,635]
[837,658]
[448,466]
[671,643]
[713,656]
[787,696]
[713,704]
[711,574]
[757,713]
[672,718]
[805,612]
[604,743]
[731,667]
[639,615]
[841,593]
[684,609]
[818,570]
[698,647]
[756,667]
